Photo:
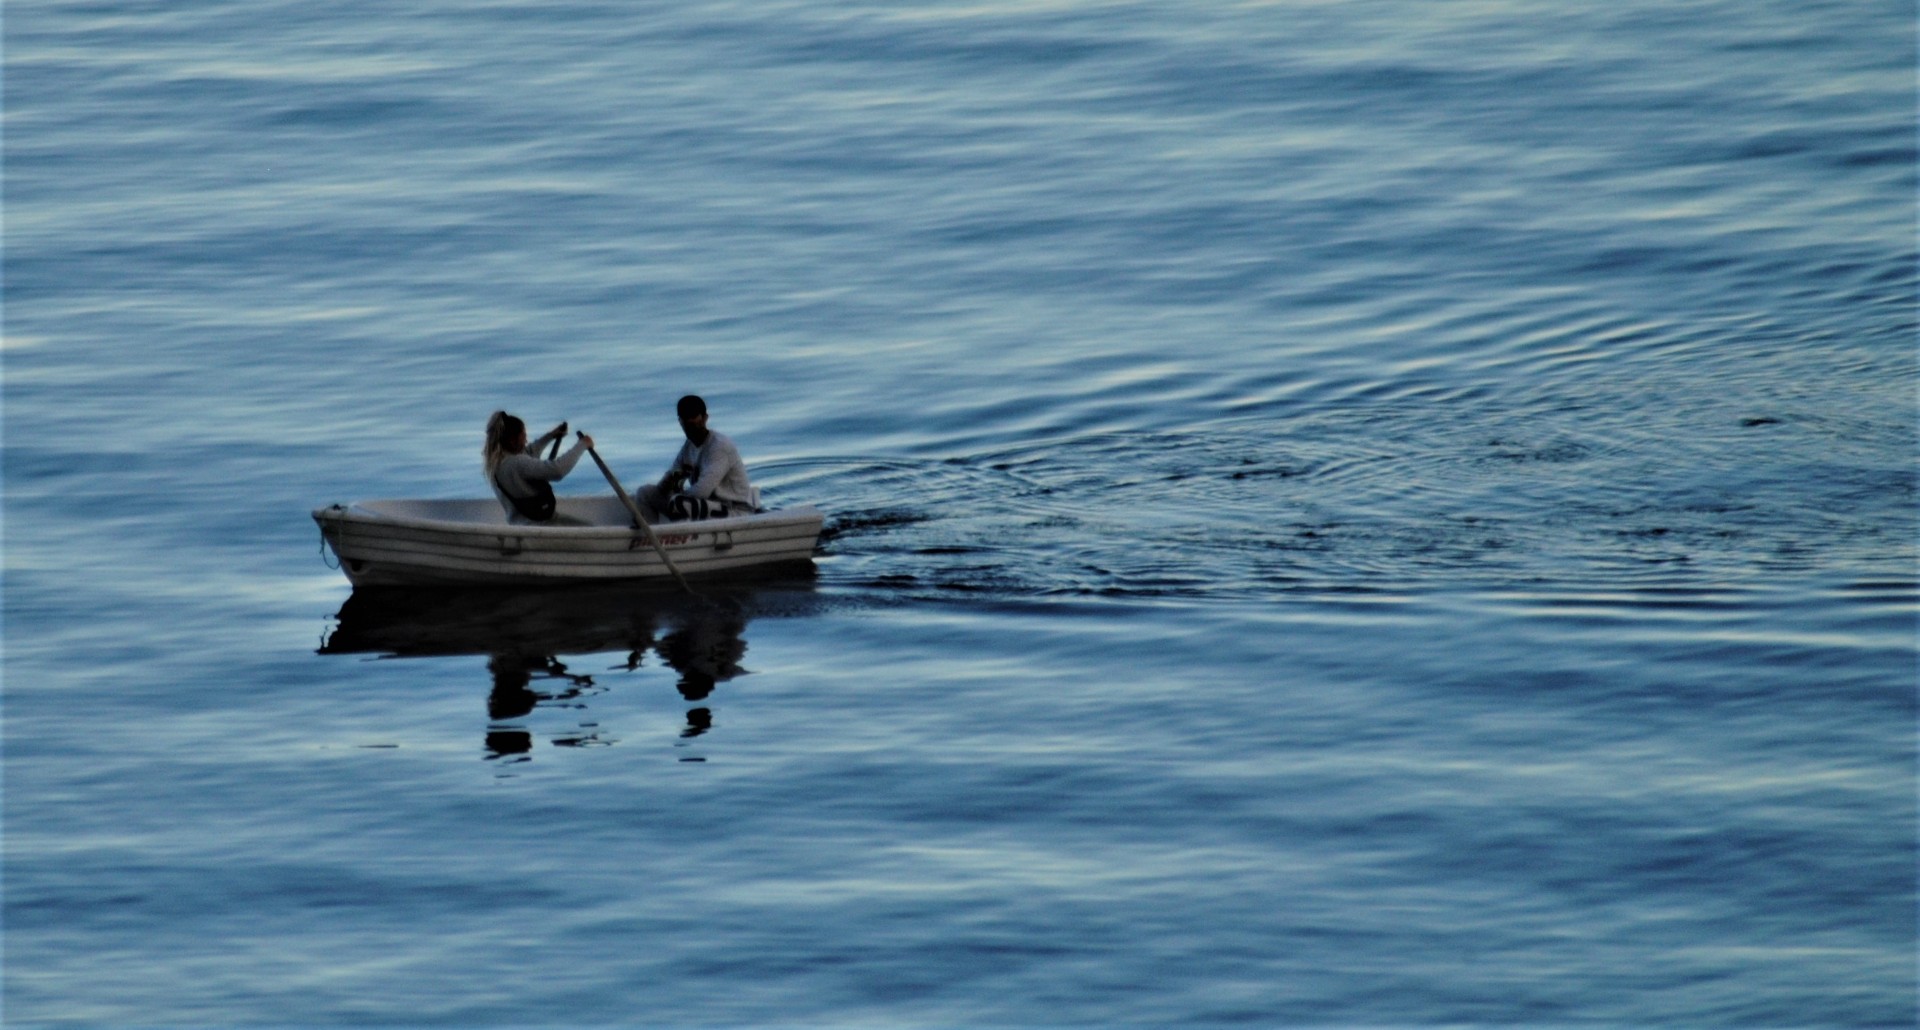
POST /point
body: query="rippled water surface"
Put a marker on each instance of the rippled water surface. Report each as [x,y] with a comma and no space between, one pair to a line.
[1377,512]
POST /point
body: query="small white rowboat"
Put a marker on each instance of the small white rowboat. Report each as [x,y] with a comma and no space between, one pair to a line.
[420,543]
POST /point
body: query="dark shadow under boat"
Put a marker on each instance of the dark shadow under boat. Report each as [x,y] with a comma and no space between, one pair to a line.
[419,622]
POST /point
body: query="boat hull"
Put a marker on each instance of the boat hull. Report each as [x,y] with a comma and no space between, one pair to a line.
[460,542]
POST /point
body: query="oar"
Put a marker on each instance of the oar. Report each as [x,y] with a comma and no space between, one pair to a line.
[555,449]
[639,520]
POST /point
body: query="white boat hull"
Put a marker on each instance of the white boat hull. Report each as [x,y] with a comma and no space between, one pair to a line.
[453,542]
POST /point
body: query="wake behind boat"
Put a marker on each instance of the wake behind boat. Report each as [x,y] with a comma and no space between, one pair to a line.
[455,542]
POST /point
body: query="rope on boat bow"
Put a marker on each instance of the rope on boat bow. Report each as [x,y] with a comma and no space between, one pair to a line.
[324,560]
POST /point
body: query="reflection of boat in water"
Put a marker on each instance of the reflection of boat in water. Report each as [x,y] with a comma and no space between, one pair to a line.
[417,543]
[525,633]
[410,622]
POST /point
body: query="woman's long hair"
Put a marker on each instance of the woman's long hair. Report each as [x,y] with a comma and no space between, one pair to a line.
[502,429]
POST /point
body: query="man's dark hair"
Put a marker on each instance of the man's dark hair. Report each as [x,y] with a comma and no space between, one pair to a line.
[691,406]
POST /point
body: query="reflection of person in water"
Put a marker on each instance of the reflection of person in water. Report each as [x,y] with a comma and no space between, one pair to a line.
[512,677]
[705,650]
[513,696]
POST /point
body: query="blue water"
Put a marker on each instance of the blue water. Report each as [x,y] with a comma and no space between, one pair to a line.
[1386,512]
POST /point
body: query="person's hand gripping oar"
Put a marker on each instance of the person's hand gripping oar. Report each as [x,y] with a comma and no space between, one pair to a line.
[638,519]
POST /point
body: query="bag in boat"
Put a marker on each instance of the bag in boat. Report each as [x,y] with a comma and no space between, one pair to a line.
[539,507]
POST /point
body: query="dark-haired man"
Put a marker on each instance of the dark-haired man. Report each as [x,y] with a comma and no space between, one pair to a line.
[707,479]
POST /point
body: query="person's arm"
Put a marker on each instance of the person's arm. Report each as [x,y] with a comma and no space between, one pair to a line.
[678,472]
[558,432]
[560,466]
[565,462]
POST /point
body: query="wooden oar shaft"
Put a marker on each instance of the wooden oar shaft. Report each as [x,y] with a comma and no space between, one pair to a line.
[639,519]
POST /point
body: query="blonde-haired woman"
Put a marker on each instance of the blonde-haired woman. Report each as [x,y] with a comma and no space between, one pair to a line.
[520,478]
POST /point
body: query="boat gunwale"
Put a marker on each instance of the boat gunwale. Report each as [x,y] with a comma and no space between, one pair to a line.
[357,512]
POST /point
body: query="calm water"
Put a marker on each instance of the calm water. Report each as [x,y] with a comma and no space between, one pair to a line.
[1339,513]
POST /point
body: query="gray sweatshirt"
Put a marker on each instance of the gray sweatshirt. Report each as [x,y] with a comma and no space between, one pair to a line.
[517,473]
[715,472]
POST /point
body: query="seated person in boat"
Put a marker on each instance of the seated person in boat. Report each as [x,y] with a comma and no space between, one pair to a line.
[707,479]
[521,479]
